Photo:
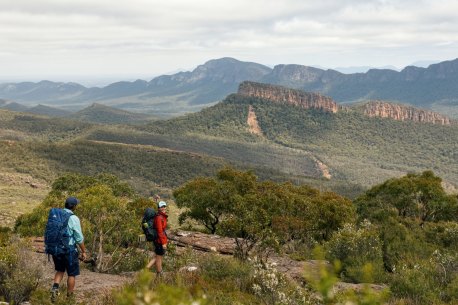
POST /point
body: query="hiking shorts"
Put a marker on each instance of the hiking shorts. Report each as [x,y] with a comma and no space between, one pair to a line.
[67,262]
[158,249]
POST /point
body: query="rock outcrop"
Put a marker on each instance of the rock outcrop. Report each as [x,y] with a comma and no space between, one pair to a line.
[403,113]
[311,100]
[279,94]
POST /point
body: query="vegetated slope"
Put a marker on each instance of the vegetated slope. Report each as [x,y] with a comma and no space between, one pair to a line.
[353,146]
[13,106]
[98,113]
[46,148]
[22,126]
[363,149]
[48,111]
[219,131]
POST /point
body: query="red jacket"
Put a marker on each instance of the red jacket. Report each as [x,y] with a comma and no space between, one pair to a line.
[160,223]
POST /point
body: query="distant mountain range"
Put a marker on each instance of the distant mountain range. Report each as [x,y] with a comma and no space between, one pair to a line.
[434,87]
[95,113]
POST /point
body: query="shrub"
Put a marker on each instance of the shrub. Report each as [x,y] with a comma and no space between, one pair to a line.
[355,248]
[110,222]
[227,272]
[415,283]
[147,291]
[443,234]
[20,274]
[324,279]
[272,287]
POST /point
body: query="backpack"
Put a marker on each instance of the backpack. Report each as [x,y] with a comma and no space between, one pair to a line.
[148,224]
[56,235]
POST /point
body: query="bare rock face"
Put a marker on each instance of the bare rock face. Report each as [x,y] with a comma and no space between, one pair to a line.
[403,113]
[252,122]
[279,94]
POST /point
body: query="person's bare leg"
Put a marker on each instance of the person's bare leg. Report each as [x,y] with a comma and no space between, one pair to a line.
[151,263]
[55,288]
[70,284]
[58,277]
[158,263]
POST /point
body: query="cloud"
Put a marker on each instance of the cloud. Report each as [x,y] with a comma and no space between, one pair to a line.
[126,34]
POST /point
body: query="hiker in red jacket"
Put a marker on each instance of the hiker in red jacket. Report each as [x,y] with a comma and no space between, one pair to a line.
[160,244]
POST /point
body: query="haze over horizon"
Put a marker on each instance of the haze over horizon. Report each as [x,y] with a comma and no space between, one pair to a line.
[102,42]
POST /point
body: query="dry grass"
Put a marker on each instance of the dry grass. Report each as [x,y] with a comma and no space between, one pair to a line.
[19,193]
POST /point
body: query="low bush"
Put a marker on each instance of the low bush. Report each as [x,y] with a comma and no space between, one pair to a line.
[355,248]
[20,273]
[228,272]
[148,290]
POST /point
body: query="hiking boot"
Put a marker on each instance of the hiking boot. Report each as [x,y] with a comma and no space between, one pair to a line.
[54,294]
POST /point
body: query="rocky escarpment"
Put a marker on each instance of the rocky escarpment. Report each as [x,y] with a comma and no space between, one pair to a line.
[310,100]
[403,113]
[306,100]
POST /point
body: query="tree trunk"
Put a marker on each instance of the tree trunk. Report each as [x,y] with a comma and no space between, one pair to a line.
[100,253]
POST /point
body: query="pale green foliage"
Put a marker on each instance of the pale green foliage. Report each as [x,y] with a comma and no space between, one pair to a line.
[105,219]
[20,274]
[428,280]
[262,216]
[274,288]
[325,278]
[355,248]
[109,219]
[148,290]
[41,296]
[417,196]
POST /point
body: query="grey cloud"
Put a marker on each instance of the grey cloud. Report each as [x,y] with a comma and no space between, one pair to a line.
[261,30]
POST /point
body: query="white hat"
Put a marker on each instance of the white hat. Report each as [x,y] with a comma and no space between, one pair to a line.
[161,204]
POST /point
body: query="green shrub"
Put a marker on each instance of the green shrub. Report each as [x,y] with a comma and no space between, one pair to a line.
[148,291]
[20,274]
[5,235]
[273,287]
[41,296]
[228,272]
[355,248]
[415,283]
[443,234]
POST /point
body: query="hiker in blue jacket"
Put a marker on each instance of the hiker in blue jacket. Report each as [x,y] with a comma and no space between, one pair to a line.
[69,261]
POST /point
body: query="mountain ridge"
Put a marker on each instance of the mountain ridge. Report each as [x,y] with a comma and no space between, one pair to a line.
[434,87]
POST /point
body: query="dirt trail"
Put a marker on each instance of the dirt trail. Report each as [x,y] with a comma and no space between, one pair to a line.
[90,286]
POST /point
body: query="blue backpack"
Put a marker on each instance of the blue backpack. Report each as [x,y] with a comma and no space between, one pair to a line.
[56,235]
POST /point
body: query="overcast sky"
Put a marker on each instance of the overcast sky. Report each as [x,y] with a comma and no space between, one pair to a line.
[77,40]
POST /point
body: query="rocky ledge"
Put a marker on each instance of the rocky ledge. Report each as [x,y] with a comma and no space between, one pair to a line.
[403,113]
[279,94]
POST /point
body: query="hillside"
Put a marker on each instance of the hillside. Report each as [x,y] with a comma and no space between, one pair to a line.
[13,106]
[342,149]
[98,113]
[353,146]
[433,88]
[48,111]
